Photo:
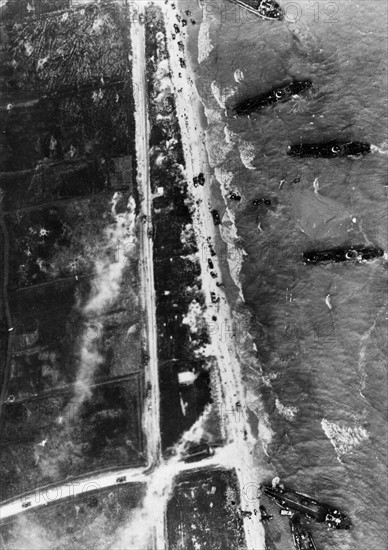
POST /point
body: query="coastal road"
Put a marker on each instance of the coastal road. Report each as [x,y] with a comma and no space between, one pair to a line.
[75,487]
[152,408]
[6,325]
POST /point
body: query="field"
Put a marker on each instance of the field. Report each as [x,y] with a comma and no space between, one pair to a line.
[204,512]
[73,383]
[86,522]
[47,440]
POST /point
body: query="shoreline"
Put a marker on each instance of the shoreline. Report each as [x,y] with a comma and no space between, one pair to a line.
[190,112]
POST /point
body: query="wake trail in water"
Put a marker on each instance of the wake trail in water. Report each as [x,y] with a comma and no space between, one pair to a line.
[382,149]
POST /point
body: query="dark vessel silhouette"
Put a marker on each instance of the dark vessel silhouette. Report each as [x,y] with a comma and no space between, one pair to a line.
[343,254]
[329,149]
[266,9]
[264,516]
[302,538]
[292,500]
[279,93]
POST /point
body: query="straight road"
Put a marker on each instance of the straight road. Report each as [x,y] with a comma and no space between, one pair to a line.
[152,409]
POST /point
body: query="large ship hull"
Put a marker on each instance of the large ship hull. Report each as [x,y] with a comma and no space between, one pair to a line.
[343,254]
[275,95]
[275,13]
[298,502]
[330,149]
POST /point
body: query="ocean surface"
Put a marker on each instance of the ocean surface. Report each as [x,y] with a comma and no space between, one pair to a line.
[320,331]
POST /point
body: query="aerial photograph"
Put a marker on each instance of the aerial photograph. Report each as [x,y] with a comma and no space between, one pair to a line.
[193,275]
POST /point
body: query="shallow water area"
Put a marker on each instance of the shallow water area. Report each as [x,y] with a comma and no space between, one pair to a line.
[320,330]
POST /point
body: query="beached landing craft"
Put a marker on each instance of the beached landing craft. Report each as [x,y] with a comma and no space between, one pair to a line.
[302,538]
[329,149]
[343,254]
[320,512]
[275,95]
[267,9]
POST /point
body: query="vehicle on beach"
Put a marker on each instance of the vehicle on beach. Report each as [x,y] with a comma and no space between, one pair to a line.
[302,538]
[184,23]
[214,275]
[214,298]
[182,62]
[210,263]
[216,217]
[343,254]
[176,28]
[197,452]
[121,479]
[266,9]
[26,504]
[280,92]
[199,180]
[304,504]
[330,149]
[141,18]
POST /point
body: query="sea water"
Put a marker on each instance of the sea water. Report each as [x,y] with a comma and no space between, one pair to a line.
[320,331]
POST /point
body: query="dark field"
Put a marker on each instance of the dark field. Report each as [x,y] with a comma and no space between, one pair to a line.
[62,241]
[46,440]
[73,383]
[84,522]
[204,512]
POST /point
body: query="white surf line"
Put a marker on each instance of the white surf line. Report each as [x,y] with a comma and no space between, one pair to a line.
[151,415]
[240,456]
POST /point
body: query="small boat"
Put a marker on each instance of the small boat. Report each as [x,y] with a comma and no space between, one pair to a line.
[329,149]
[266,9]
[343,254]
[292,500]
[264,516]
[281,92]
[302,538]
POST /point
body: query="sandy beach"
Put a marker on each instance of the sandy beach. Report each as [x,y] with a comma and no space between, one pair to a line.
[240,441]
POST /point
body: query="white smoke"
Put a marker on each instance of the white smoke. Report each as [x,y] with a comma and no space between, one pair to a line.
[147,522]
[119,236]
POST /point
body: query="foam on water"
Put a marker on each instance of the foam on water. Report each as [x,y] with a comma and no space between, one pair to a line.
[335,202]
[247,153]
[288,412]
[344,438]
